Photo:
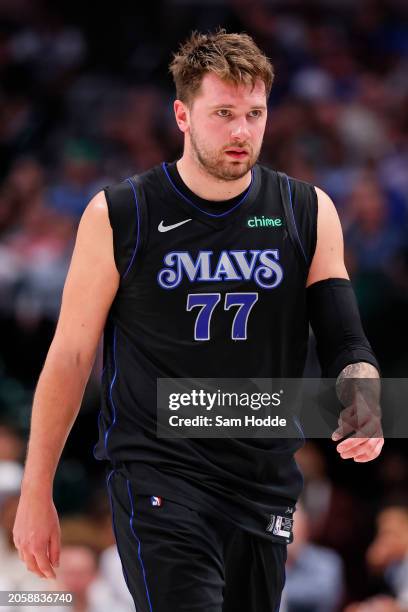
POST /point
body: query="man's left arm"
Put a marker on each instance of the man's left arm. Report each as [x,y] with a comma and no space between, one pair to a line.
[343,349]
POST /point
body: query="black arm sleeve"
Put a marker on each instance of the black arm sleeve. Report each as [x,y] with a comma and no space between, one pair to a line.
[335,320]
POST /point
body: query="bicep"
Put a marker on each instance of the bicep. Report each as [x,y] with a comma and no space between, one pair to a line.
[328,260]
[90,287]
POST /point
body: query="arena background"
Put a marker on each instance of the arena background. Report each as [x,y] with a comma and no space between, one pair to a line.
[85,100]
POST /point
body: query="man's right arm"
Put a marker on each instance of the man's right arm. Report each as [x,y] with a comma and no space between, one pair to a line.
[89,290]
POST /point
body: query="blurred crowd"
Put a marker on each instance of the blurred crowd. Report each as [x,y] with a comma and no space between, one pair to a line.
[84,104]
[350,548]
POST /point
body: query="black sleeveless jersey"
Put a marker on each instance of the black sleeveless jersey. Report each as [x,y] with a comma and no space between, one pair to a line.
[175,251]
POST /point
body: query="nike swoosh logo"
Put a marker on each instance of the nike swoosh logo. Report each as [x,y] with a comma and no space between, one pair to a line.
[167,228]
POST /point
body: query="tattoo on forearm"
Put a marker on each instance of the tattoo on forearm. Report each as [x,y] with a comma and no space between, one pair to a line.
[358,370]
[359,378]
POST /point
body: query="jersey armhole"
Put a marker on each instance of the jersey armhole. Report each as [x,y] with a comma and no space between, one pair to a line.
[123,201]
[287,203]
[137,237]
[109,204]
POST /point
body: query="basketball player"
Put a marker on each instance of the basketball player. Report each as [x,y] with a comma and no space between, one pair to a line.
[196,519]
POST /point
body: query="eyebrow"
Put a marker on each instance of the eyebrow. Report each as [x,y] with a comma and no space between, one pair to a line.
[254,107]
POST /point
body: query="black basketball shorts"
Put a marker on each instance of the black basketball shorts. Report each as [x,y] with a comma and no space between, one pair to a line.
[176,559]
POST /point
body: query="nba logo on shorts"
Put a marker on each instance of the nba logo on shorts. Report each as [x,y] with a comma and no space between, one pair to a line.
[156,501]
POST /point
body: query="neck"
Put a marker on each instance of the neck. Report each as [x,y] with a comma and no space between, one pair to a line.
[209,187]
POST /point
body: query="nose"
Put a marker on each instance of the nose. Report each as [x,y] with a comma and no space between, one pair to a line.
[240,130]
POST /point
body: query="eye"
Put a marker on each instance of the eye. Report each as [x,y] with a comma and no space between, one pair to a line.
[255,113]
[223,112]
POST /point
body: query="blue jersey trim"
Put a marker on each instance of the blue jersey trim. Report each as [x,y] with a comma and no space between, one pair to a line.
[186,199]
[138,227]
[114,527]
[110,395]
[294,220]
[139,546]
[99,420]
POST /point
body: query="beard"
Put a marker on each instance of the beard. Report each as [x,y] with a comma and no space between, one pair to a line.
[215,163]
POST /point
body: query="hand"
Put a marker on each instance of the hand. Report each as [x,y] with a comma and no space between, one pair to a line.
[37,534]
[367,441]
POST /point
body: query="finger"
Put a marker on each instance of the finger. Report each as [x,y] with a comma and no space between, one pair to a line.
[353,419]
[372,429]
[347,423]
[44,564]
[342,431]
[369,456]
[348,453]
[362,446]
[54,549]
[31,564]
[366,450]
[345,428]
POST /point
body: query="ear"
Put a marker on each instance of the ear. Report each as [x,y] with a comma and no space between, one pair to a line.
[182,115]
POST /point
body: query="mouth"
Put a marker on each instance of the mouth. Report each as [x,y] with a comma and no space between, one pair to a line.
[237,153]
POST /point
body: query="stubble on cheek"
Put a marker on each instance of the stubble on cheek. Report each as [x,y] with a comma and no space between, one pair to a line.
[216,162]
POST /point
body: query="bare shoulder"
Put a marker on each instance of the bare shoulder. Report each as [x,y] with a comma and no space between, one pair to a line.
[98,204]
[95,237]
[328,260]
[327,212]
[96,212]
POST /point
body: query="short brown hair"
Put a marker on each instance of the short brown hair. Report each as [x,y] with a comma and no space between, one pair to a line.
[232,57]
